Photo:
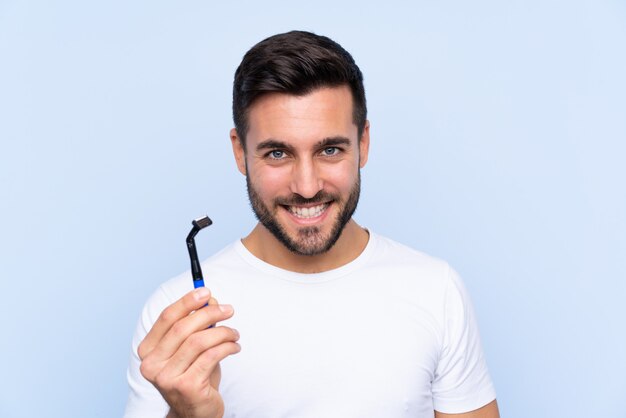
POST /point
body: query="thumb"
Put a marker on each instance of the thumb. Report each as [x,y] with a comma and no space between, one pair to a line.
[216,377]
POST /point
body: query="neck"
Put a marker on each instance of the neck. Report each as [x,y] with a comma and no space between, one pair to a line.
[264,245]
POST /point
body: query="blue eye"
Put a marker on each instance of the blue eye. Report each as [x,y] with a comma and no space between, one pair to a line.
[277,154]
[330,151]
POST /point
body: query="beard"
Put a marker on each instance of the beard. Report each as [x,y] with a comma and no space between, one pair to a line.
[308,240]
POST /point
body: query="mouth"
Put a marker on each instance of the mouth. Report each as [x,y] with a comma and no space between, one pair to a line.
[309,212]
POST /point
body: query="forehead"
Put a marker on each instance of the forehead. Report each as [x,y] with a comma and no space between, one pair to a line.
[325,112]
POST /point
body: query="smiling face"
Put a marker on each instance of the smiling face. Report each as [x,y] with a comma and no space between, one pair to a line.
[302,162]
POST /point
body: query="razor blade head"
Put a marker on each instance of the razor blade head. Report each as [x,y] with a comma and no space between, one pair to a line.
[202,222]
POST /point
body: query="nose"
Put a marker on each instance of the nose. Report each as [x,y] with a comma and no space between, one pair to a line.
[305,178]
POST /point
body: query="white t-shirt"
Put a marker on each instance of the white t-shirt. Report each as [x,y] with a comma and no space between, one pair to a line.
[390,334]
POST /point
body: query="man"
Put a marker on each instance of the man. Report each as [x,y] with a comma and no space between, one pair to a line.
[335,321]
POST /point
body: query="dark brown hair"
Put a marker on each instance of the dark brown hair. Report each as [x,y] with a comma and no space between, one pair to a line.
[295,63]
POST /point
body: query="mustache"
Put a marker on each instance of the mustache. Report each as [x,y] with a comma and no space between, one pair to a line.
[296,199]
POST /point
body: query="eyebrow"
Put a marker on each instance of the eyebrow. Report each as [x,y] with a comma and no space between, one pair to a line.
[272,144]
[334,140]
[326,142]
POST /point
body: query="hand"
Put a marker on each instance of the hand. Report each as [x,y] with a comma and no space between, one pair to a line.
[180,356]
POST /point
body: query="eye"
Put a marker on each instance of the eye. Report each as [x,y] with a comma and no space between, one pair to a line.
[276,154]
[330,151]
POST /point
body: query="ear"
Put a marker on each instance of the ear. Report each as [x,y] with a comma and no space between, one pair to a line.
[238,151]
[364,145]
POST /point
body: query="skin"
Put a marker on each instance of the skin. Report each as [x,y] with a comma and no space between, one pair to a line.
[314,147]
[488,411]
[180,356]
[304,146]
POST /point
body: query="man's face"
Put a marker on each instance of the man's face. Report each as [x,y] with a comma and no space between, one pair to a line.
[302,163]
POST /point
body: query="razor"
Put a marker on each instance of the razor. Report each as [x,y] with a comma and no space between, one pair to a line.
[196,270]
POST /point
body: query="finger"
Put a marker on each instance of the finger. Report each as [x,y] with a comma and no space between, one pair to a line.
[181,308]
[213,301]
[194,346]
[200,370]
[185,327]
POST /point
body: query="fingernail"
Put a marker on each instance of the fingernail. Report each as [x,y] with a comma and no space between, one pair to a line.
[202,293]
[226,308]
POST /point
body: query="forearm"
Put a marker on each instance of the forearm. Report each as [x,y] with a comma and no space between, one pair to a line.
[488,411]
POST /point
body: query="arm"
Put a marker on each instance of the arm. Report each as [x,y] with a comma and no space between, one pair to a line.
[462,382]
[180,356]
[488,411]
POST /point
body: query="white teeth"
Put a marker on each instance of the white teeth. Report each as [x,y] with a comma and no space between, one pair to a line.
[308,212]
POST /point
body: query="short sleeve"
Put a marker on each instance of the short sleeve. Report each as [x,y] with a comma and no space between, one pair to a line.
[144,400]
[461,382]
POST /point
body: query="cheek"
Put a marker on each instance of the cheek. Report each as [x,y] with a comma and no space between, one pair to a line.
[341,176]
[270,182]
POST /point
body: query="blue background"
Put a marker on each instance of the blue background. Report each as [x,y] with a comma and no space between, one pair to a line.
[498,133]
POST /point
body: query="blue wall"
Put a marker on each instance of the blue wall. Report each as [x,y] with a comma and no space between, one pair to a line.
[498,133]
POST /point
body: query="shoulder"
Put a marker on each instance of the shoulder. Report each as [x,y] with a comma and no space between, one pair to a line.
[393,256]
[390,248]
[404,269]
